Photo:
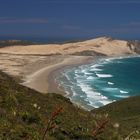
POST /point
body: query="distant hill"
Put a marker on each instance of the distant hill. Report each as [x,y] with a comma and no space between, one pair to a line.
[103,45]
[6,43]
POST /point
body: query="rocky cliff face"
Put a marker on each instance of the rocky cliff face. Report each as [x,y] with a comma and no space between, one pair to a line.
[135,46]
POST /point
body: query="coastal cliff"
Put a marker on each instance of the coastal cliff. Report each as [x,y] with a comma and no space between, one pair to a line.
[135,46]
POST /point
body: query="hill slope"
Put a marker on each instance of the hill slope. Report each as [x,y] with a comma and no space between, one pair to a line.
[126,112]
[24,112]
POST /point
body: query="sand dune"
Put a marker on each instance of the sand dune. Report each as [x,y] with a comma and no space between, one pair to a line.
[102,45]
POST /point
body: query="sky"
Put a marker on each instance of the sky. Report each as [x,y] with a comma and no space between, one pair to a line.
[70,18]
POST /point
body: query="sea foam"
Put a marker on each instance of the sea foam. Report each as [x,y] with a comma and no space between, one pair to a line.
[110,83]
[122,96]
[94,98]
[104,75]
[122,91]
[90,78]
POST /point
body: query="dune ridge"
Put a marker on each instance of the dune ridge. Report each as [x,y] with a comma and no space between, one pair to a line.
[104,45]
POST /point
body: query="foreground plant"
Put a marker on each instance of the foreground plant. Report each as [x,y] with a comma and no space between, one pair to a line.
[51,121]
[132,135]
[100,127]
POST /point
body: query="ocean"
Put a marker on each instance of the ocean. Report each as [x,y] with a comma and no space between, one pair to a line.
[101,82]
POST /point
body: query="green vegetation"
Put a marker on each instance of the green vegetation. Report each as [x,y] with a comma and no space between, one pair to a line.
[126,113]
[6,43]
[27,114]
[24,113]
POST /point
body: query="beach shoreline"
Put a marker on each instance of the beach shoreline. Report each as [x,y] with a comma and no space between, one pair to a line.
[44,79]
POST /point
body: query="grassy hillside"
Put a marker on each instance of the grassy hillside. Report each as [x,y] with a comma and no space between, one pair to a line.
[125,112]
[24,114]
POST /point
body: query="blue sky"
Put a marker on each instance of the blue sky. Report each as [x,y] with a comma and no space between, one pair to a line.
[70,18]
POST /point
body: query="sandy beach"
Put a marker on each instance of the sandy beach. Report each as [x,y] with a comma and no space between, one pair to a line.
[39,71]
[43,80]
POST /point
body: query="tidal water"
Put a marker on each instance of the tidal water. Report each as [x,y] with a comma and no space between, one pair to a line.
[102,82]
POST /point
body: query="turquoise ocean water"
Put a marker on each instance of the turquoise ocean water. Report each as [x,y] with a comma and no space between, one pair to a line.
[102,82]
